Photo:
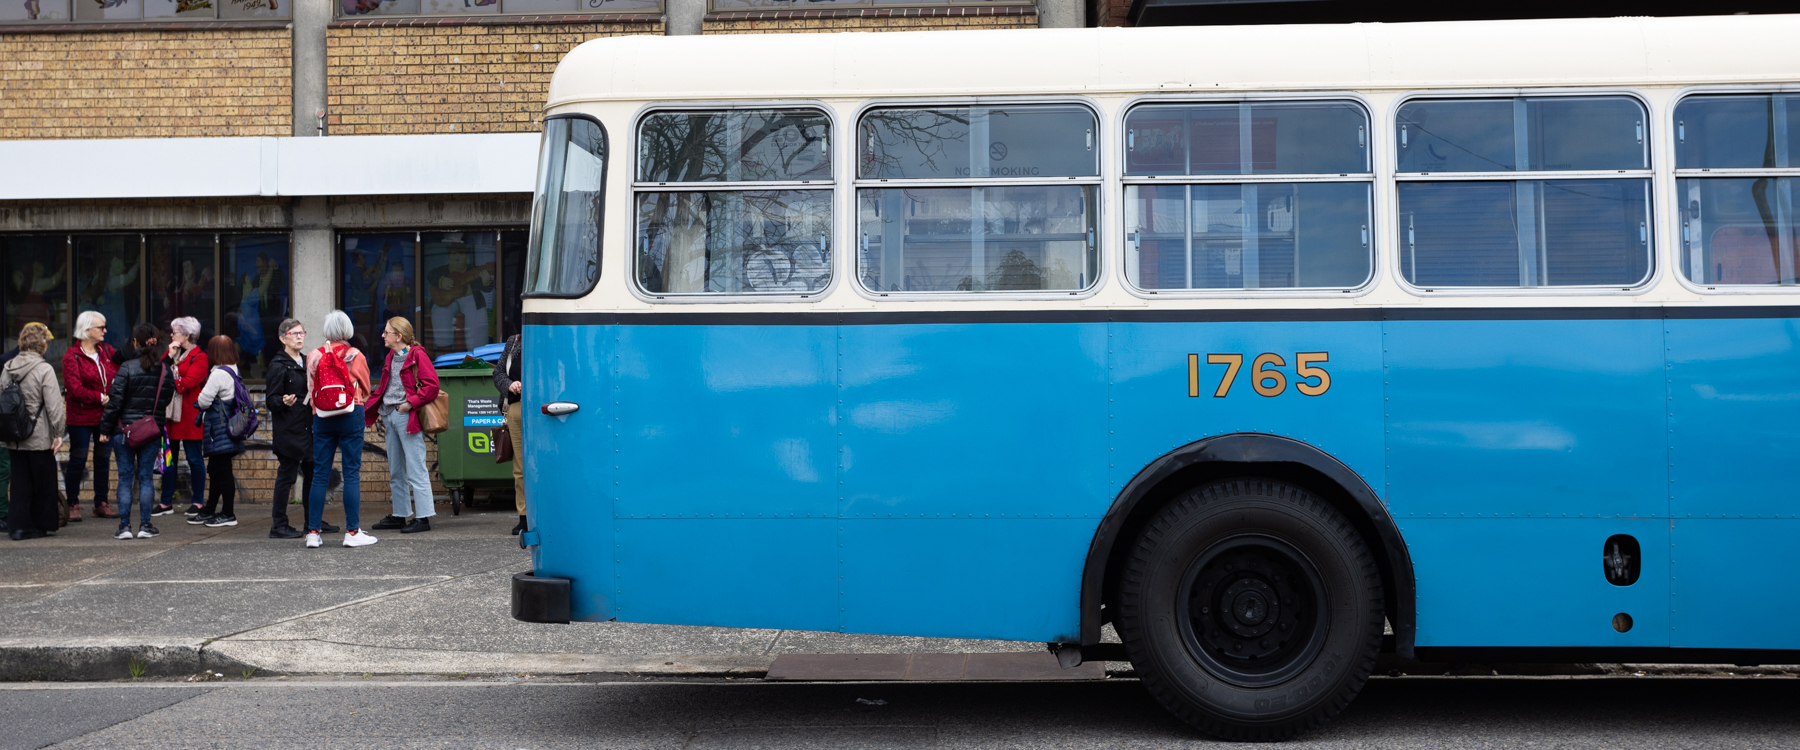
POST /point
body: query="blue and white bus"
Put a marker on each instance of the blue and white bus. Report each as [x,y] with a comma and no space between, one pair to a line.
[1273,347]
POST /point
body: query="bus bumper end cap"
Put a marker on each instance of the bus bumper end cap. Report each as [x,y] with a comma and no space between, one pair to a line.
[544,600]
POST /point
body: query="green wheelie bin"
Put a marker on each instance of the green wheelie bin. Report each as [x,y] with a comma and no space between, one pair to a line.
[465,458]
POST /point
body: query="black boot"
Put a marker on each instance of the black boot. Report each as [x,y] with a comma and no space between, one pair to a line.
[519,529]
[417,525]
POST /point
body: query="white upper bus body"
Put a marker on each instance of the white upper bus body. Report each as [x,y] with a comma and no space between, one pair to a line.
[1654,60]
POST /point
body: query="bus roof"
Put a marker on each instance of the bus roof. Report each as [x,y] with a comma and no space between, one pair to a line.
[1473,54]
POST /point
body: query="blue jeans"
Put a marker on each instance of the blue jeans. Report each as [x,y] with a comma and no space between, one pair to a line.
[409,484]
[136,466]
[340,434]
[196,473]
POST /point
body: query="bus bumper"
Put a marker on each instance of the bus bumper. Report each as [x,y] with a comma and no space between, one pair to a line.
[537,599]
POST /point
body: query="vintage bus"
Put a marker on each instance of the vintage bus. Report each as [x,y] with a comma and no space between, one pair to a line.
[1275,348]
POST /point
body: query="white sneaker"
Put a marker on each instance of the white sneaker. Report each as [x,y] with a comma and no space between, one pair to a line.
[124,533]
[313,540]
[359,539]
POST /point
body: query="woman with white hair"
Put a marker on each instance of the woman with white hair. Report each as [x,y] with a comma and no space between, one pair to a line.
[337,381]
[33,492]
[88,372]
[189,369]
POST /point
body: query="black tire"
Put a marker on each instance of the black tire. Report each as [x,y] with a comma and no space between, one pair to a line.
[1251,609]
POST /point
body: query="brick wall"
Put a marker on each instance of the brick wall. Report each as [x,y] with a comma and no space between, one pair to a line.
[145,83]
[909,19]
[402,76]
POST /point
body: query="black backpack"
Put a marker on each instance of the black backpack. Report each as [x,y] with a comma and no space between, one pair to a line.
[15,425]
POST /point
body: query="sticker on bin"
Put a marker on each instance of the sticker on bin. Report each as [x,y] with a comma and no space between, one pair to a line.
[483,411]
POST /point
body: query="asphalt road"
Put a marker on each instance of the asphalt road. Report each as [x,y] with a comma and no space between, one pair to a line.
[1410,712]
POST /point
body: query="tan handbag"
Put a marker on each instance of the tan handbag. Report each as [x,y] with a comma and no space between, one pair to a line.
[434,417]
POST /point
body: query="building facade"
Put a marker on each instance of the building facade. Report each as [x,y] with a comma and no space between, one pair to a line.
[245,161]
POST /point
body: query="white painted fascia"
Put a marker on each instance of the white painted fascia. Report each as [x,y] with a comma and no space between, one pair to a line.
[408,164]
[89,169]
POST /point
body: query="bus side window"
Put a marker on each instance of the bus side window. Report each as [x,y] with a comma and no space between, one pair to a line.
[1527,220]
[931,217]
[1739,229]
[1200,215]
[702,230]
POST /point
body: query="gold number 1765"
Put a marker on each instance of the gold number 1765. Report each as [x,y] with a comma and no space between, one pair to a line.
[1268,382]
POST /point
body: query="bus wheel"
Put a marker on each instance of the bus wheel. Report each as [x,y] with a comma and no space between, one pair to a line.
[1251,609]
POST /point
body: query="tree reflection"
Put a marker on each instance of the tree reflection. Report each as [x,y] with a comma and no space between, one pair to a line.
[887,134]
[734,241]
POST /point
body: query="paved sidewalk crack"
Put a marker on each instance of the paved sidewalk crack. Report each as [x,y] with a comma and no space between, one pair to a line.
[109,571]
[352,603]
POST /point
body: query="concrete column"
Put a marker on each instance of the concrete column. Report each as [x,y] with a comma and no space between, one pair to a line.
[313,247]
[313,244]
[310,18]
[683,17]
[1061,14]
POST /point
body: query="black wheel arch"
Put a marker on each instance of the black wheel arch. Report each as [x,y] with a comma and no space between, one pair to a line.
[1238,455]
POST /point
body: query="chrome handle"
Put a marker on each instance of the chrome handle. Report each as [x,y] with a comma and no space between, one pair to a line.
[561,408]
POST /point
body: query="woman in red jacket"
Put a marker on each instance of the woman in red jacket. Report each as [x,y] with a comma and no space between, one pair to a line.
[408,382]
[88,372]
[189,368]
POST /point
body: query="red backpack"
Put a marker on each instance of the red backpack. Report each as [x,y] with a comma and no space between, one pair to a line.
[332,391]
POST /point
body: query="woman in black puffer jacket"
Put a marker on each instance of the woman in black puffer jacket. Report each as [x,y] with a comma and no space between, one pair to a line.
[136,394]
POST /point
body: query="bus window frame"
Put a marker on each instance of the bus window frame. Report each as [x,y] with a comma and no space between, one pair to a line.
[1674,212]
[537,208]
[1104,181]
[1661,185]
[1380,172]
[835,185]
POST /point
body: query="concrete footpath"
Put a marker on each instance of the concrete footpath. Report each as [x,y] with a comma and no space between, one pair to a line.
[83,606]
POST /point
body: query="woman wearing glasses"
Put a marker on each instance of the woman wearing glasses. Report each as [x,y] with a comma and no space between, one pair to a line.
[88,372]
[291,432]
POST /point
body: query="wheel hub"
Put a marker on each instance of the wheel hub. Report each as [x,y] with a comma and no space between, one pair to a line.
[1253,609]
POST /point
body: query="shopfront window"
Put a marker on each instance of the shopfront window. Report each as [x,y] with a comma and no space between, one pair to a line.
[114,11]
[237,285]
[815,4]
[459,288]
[377,283]
[183,281]
[364,8]
[461,278]
[107,280]
[253,296]
[37,288]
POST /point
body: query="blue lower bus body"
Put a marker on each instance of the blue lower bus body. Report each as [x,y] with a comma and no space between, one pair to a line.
[947,479]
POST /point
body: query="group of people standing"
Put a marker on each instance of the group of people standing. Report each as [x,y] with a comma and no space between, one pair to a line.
[151,405]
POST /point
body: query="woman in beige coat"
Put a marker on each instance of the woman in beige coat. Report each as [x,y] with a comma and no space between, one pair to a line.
[34,492]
